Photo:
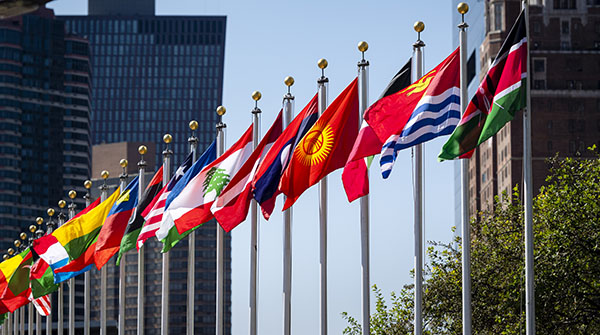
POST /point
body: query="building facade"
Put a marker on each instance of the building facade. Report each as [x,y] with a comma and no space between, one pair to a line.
[45,105]
[151,76]
[565,94]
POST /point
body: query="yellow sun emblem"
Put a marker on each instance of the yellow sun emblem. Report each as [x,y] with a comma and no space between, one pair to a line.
[420,85]
[315,145]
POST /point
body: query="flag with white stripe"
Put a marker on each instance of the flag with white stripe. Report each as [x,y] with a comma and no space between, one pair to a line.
[42,304]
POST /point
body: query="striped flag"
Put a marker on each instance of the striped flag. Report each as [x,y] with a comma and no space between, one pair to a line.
[154,213]
[500,95]
[355,176]
[42,304]
[428,108]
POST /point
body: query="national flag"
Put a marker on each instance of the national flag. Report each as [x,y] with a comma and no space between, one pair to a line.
[154,214]
[16,288]
[428,108]
[79,236]
[355,175]
[192,207]
[43,305]
[265,183]
[231,207]
[113,229]
[167,234]
[500,95]
[325,147]
[42,279]
[51,251]
[136,222]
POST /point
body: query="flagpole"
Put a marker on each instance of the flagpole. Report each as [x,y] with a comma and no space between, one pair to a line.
[418,197]
[363,82]
[71,208]
[191,284]
[142,149]
[61,308]
[463,8]
[30,318]
[8,324]
[15,322]
[87,279]
[103,331]
[38,232]
[528,194]
[164,315]
[220,235]
[22,320]
[123,263]
[322,83]
[288,114]
[49,228]
[256,95]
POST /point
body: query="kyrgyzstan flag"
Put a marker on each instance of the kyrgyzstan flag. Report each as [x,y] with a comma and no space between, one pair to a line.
[231,207]
[113,229]
[325,147]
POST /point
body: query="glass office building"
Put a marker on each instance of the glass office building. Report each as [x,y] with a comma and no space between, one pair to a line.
[151,76]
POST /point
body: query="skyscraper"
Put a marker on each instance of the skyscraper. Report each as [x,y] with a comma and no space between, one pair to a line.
[45,146]
[565,94]
[151,76]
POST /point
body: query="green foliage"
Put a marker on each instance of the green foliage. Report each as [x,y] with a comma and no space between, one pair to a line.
[567,265]
[216,179]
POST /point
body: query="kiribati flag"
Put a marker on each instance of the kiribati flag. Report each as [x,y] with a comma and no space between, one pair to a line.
[268,173]
[428,108]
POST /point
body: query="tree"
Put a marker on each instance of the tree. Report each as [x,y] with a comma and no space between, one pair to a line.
[567,265]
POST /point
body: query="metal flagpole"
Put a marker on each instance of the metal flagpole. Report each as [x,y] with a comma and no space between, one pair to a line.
[363,82]
[37,232]
[61,304]
[22,317]
[418,196]
[122,265]
[9,324]
[528,194]
[191,283]
[142,149]
[30,317]
[87,279]
[164,299]
[50,227]
[322,83]
[15,327]
[220,235]
[256,95]
[463,8]
[288,114]
[72,206]
[103,331]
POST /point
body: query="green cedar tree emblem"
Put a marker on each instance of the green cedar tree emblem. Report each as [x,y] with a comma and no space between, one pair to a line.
[216,179]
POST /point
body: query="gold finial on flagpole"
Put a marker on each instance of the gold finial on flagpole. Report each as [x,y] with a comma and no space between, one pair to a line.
[87,184]
[39,220]
[62,203]
[32,228]
[194,125]
[142,149]
[123,163]
[72,194]
[50,212]
[221,110]
[167,138]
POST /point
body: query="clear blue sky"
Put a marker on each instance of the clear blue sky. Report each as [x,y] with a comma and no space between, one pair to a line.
[268,40]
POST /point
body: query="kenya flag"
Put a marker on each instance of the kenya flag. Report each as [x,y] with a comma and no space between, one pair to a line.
[499,96]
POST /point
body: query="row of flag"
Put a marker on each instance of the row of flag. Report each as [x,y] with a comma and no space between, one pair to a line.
[286,161]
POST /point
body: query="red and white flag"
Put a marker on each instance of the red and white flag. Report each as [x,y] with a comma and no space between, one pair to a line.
[42,304]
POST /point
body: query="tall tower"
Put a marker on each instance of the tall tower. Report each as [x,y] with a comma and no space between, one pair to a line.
[151,76]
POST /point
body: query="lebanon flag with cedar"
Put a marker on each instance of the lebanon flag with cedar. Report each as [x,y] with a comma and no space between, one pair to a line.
[192,207]
[355,176]
[325,147]
[499,96]
[231,207]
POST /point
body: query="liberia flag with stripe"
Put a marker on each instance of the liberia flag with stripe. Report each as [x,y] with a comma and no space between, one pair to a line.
[499,96]
[154,214]
[42,304]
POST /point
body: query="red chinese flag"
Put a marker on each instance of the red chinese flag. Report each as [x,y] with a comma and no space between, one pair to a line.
[325,147]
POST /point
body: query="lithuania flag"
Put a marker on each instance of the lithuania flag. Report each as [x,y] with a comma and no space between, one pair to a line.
[78,237]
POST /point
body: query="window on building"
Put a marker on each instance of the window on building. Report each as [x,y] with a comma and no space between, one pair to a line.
[498,16]
[539,65]
[564,27]
[539,84]
[471,67]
